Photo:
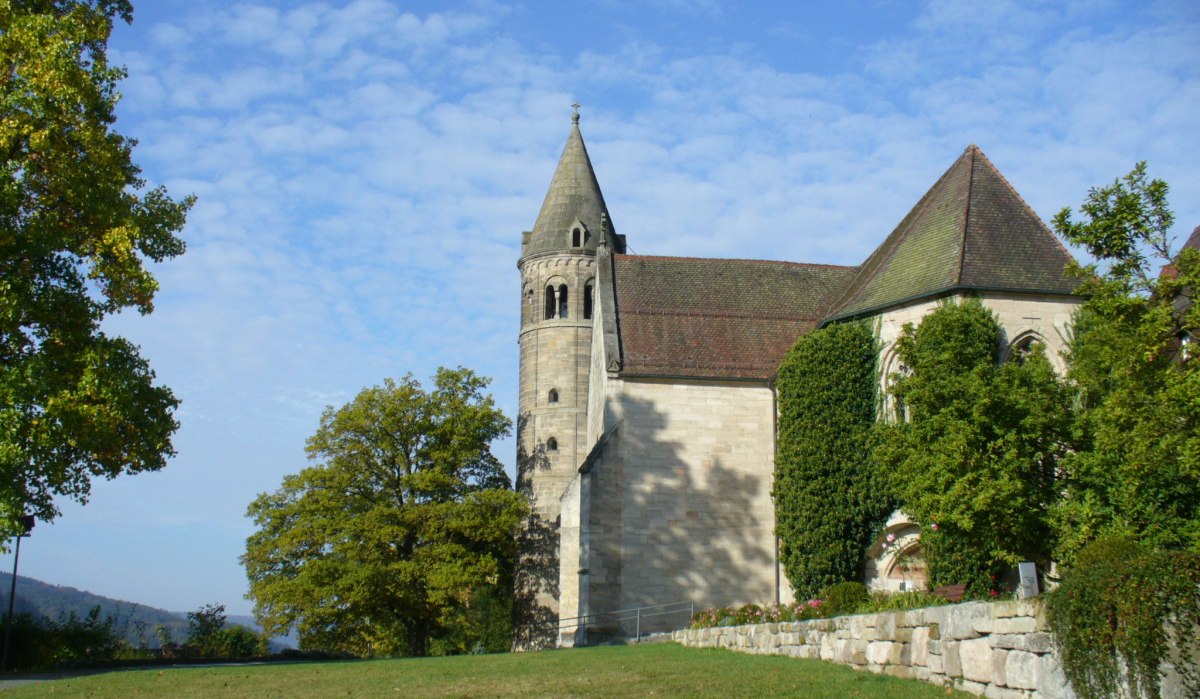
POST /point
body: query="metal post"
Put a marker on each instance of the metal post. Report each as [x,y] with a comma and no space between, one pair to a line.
[638,637]
[12,597]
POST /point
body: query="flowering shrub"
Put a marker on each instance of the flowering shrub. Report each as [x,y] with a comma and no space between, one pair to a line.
[754,614]
[812,609]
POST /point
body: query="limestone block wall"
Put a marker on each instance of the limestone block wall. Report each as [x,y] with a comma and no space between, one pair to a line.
[999,650]
[684,496]
[1020,315]
[993,649]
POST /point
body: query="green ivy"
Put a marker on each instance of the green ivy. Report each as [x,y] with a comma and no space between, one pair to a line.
[978,453]
[1116,612]
[828,503]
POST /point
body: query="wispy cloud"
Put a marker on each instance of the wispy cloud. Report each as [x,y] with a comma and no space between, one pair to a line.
[364,173]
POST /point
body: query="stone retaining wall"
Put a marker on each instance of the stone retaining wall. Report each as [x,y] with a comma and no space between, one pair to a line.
[994,649]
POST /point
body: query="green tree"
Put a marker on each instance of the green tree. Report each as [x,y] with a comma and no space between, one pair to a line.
[405,525]
[1136,469]
[828,501]
[978,452]
[77,227]
[209,635]
[204,624]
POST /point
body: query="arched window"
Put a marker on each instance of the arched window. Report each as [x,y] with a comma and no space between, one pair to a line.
[554,395]
[528,308]
[588,291]
[562,301]
[576,237]
[552,444]
[1024,346]
[551,303]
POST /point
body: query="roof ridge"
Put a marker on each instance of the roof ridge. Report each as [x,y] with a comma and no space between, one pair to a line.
[692,313]
[973,150]
[891,242]
[1028,209]
[788,263]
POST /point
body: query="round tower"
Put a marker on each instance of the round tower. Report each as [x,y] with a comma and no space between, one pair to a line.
[558,273]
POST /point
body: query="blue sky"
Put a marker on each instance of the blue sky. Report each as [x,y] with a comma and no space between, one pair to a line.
[364,171]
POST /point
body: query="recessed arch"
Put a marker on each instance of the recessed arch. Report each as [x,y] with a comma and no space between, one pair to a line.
[1025,342]
[552,444]
[894,368]
[553,395]
[589,292]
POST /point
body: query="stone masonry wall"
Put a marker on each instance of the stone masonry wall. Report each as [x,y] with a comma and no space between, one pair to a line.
[996,649]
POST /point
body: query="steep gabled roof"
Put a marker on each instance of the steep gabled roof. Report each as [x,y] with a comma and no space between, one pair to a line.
[971,230]
[574,198]
[719,319]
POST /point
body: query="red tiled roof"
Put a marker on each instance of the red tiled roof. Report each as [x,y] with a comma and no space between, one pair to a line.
[711,318]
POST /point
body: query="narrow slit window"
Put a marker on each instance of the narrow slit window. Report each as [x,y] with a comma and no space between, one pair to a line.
[552,444]
[576,237]
[588,292]
[551,303]
[562,301]
[554,395]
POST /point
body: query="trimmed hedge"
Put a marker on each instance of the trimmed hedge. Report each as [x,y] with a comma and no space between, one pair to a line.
[828,501]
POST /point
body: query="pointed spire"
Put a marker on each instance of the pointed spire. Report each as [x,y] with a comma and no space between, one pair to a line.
[574,201]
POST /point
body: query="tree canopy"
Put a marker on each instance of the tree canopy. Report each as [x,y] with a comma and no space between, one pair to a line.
[77,227]
[401,539]
[977,451]
[1136,467]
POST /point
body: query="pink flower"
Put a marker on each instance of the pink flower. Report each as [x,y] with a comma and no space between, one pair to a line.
[891,537]
[933,526]
[885,546]
[814,603]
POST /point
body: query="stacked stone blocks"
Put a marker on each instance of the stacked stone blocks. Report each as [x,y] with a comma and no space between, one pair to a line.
[1000,650]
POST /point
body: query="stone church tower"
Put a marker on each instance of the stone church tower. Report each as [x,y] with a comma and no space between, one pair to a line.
[558,273]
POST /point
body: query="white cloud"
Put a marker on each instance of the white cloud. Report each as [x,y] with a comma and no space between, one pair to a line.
[364,174]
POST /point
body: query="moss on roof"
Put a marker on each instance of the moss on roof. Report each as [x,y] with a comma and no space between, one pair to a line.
[971,230]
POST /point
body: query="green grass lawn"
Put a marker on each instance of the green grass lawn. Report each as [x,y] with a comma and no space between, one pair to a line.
[661,669]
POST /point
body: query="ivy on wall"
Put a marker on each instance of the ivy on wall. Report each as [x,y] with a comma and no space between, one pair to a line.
[979,451]
[828,501]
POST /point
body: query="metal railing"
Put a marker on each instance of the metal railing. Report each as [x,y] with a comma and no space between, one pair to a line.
[635,614]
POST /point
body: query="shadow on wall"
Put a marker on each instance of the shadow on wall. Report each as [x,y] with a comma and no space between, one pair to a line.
[536,580]
[680,515]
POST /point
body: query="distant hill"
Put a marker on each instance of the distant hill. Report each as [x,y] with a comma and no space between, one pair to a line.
[136,622]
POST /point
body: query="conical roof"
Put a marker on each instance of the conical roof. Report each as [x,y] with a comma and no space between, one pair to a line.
[574,200]
[971,231]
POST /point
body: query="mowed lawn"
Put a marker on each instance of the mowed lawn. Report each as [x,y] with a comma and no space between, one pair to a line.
[661,669]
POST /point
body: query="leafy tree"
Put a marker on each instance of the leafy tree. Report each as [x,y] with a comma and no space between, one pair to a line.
[828,501]
[405,525]
[978,452]
[1136,470]
[204,624]
[76,230]
[209,636]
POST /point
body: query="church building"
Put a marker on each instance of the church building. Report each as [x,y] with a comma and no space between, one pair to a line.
[646,433]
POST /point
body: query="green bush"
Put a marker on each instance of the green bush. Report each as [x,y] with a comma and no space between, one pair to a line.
[829,500]
[900,601]
[71,641]
[844,598]
[1115,613]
